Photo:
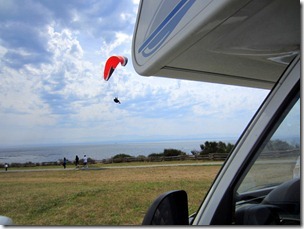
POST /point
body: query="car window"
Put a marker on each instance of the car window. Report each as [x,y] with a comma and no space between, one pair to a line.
[279,158]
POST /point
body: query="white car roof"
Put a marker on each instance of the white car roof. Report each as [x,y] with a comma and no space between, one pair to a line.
[236,42]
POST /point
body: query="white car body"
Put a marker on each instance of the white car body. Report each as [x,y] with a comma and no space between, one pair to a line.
[237,42]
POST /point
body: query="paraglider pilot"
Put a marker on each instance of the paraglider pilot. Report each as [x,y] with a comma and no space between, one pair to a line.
[116,100]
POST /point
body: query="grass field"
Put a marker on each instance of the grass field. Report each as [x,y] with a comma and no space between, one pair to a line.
[119,196]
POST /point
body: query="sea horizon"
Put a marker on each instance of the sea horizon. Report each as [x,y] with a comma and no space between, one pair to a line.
[97,151]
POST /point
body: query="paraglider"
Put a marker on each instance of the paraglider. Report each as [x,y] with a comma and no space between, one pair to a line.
[110,66]
[116,100]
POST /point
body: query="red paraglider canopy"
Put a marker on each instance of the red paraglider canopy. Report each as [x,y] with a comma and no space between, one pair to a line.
[112,63]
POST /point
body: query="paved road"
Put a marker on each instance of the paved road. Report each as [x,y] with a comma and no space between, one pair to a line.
[114,167]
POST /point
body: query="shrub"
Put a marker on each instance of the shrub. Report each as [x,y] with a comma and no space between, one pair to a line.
[122,155]
[173,152]
[141,158]
[156,155]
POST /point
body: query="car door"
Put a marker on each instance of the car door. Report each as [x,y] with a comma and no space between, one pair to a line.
[238,181]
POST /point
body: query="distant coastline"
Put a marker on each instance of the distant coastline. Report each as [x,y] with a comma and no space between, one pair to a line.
[43,153]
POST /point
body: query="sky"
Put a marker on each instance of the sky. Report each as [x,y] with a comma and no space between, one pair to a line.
[52,56]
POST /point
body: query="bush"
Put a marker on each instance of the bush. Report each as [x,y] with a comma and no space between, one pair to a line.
[122,155]
[173,152]
[156,155]
[168,153]
[141,158]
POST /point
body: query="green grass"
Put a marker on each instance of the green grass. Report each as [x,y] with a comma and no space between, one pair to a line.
[97,197]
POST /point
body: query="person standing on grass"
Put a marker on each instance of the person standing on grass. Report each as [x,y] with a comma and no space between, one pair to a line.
[64,162]
[77,161]
[85,161]
[6,166]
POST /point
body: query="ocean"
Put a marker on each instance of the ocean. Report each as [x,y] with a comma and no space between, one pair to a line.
[39,154]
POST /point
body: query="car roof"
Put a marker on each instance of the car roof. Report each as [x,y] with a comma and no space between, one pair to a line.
[236,42]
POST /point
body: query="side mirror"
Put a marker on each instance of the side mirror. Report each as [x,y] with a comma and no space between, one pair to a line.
[4,220]
[170,208]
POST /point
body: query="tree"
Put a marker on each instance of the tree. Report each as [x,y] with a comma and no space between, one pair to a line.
[216,147]
[209,147]
[229,147]
[221,147]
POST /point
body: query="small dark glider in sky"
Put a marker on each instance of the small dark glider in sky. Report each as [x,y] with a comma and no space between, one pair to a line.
[111,64]
[116,100]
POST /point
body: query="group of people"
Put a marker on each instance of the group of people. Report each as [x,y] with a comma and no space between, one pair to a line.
[85,162]
[64,163]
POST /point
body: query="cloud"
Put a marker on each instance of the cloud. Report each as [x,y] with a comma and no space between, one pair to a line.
[23,30]
[52,57]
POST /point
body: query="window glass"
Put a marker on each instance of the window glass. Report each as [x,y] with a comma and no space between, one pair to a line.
[279,159]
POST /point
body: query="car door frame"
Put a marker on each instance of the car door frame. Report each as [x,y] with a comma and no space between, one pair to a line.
[217,207]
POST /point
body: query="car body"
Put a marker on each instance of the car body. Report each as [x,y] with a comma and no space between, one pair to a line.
[237,42]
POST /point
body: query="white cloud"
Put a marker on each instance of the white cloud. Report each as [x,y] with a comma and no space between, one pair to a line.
[52,88]
[116,46]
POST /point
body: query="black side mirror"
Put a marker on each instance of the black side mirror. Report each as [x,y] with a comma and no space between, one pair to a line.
[170,208]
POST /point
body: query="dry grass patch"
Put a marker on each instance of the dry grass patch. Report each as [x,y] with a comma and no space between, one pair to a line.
[97,197]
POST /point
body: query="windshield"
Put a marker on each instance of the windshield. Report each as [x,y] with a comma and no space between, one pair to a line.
[279,159]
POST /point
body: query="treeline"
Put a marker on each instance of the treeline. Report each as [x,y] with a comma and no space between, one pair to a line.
[151,157]
[209,147]
[208,150]
[168,153]
[214,147]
